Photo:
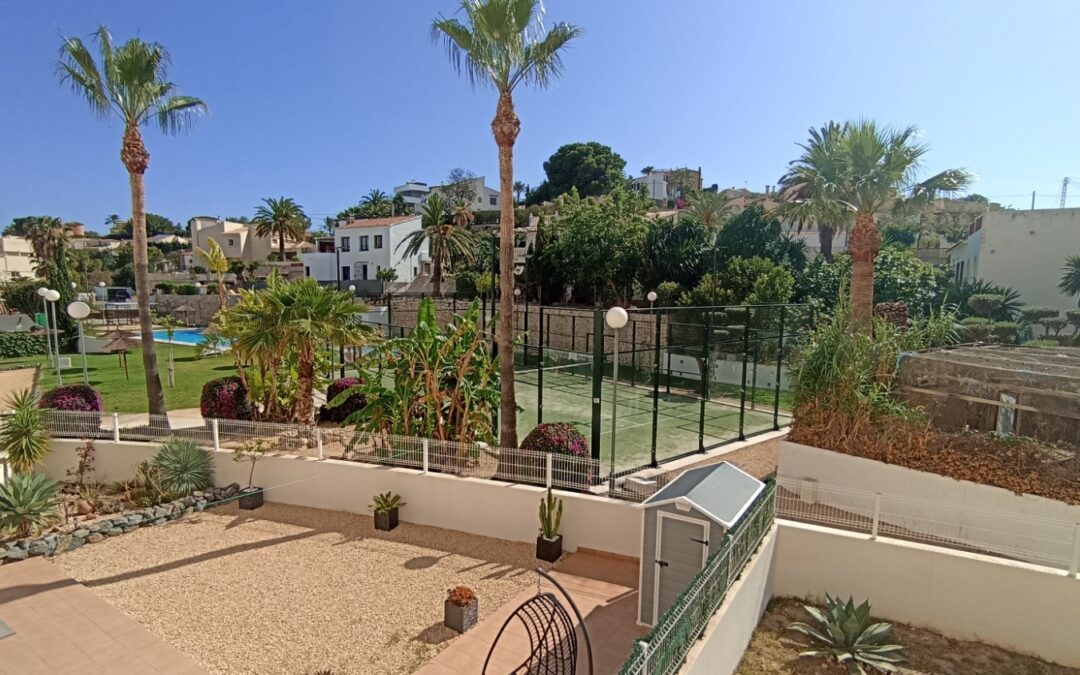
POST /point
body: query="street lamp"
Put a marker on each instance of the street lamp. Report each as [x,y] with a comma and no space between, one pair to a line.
[52,296]
[615,318]
[79,311]
[651,297]
[42,292]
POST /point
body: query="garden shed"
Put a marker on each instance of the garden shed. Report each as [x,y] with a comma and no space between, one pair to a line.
[1027,391]
[682,525]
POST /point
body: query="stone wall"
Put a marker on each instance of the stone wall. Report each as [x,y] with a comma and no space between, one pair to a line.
[205,307]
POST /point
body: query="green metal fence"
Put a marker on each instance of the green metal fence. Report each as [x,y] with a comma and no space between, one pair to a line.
[663,651]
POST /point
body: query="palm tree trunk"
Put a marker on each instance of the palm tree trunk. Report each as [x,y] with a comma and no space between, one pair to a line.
[863,245]
[436,277]
[281,245]
[825,237]
[135,158]
[305,408]
[505,127]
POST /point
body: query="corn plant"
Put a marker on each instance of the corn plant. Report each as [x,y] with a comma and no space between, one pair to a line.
[845,633]
[550,515]
[27,503]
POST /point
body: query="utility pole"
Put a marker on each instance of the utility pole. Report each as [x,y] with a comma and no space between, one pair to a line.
[1032,200]
[1064,191]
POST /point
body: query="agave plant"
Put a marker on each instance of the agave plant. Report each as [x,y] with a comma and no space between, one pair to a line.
[386,502]
[183,467]
[845,633]
[27,502]
[22,433]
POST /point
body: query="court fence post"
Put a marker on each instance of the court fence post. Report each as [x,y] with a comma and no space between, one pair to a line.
[742,388]
[633,351]
[704,377]
[655,387]
[540,371]
[573,332]
[779,366]
[597,379]
[667,387]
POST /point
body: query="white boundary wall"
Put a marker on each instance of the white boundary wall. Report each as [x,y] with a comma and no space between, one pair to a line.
[479,506]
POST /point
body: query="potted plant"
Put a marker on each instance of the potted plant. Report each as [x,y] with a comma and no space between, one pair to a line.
[386,508]
[549,543]
[461,609]
[252,451]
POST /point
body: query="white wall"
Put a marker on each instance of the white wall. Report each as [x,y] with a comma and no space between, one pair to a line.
[727,371]
[1020,607]
[480,506]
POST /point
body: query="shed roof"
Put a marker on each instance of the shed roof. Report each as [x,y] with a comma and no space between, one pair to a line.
[15,323]
[721,491]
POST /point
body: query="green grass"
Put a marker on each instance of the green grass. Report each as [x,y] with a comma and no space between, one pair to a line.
[129,395]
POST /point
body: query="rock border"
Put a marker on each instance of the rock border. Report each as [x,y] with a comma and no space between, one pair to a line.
[116,524]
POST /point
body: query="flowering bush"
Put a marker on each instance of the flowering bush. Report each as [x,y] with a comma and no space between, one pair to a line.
[80,397]
[557,437]
[225,398]
[340,412]
[462,596]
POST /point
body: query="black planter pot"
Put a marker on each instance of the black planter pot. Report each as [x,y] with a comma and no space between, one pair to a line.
[251,498]
[386,520]
[549,550]
[460,619]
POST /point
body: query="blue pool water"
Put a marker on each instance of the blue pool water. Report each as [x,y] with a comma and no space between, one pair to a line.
[184,336]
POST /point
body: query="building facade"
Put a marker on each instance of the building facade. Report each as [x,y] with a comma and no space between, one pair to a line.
[239,241]
[664,185]
[16,259]
[416,194]
[358,250]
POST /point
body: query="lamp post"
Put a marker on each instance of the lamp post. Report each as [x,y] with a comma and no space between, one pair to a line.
[104,302]
[651,297]
[615,318]
[52,296]
[79,310]
[42,292]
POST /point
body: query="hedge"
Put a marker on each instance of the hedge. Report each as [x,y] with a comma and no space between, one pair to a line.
[14,345]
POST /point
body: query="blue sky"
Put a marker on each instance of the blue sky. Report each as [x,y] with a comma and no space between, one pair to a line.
[325,99]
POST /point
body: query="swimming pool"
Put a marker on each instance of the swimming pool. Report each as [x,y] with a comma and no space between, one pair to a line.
[184,336]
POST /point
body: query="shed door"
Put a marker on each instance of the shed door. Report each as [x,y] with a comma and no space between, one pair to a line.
[682,546]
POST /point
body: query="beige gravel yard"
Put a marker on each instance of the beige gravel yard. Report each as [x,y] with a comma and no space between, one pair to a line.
[288,589]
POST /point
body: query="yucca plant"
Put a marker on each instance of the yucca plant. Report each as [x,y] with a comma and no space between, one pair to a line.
[845,633]
[22,433]
[183,467]
[27,503]
[386,502]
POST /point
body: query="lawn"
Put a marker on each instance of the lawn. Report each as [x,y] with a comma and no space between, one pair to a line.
[129,395]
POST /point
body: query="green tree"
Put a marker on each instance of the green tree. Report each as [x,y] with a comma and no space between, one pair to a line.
[217,263]
[446,240]
[743,281]
[377,204]
[865,170]
[755,233]
[20,227]
[131,82]
[503,44]
[282,218]
[459,187]
[592,168]
[899,276]
[520,188]
[674,251]
[1070,277]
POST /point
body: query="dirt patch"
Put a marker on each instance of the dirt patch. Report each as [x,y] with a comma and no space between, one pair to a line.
[774,650]
[294,590]
[12,381]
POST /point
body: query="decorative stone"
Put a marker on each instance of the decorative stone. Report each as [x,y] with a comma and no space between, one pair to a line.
[198,494]
[130,528]
[95,527]
[135,519]
[200,505]
[114,532]
[95,537]
[81,534]
[24,544]
[160,512]
[159,521]
[16,554]
[76,542]
[39,547]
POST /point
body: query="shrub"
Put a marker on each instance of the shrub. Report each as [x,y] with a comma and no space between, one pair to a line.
[977,328]
[183,467]
[668,294]
[845,633]
[77,397]
[386,502]
[337,409]
[166,287]
[985,305]
[465,284]
[1042,343]
[23,437]
[460,596]
[225,398]
[561,438]
[211,289]
[1038,314]
[20,345]
[1006,332]
[187,289]
[27,503]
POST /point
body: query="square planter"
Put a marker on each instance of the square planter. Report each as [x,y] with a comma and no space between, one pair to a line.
[460,619]
[386,520]
[251,498]
[549,550]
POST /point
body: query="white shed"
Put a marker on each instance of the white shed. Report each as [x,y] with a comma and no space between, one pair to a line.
[682,525]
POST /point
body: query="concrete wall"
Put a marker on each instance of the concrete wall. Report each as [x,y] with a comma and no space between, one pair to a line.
[1020,607]
[480,506]
[729,371]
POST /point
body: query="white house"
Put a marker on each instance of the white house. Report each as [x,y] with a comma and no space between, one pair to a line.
[1023,250]
[16,259]
[417,194]
[240,241]
[360,249]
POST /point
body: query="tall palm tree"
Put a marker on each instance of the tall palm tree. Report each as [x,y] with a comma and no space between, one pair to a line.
[502,44]
[712,208]
[46,236]
[445,238]
[131,82]
[112,221]
[377,203]
[1070,277]
[282,218]
[865,170]
[801,210]
[519,191]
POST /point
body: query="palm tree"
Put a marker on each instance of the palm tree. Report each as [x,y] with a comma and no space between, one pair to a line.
[46,236]
[864,170]
[502,44]
[376,203]
[131,82]
[445,238]
[711,207]
[113,222]
[217,263]
[520,188]
[1070,277]
[462,216]
[799,209]
[282,218]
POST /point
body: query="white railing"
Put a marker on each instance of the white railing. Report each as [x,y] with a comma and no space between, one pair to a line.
[1053,543]
[473,460]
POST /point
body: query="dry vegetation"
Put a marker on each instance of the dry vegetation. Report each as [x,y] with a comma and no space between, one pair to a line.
[775,651]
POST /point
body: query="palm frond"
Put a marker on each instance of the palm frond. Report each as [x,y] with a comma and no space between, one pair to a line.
[175,114]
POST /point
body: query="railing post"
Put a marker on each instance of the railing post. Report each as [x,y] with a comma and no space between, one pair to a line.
[779,368]
[319,441]
[424,446]
[116,427]
[1074,566]
[214,433]
[877,516]
[548,461]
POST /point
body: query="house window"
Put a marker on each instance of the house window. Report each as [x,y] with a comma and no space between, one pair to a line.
[307,271]
[363,243]
[346,273]
[493,199]
[232,242]
[344,244]
[363,272]
[378,241]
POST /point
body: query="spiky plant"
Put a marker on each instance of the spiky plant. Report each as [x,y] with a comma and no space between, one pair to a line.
[386,502]
[27,503]
[550,515]
[23,437]
[846,634]
[183,467]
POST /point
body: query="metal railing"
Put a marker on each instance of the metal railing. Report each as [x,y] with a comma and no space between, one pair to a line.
[664,650]
[1042,541]
[471,460]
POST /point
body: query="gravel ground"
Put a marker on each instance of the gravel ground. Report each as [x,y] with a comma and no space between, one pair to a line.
[758,460]
[288,589]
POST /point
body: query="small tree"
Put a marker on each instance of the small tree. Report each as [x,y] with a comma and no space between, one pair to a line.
[985,305]
[387,275]
[251,451]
